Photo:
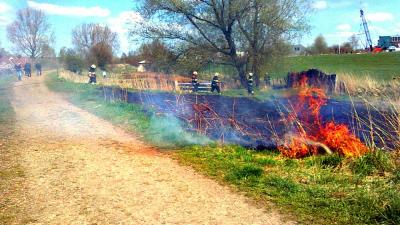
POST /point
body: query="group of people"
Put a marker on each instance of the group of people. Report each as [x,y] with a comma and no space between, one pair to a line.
[24,67]
[215,83]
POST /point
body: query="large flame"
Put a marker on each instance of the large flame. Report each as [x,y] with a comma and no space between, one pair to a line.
[308,134]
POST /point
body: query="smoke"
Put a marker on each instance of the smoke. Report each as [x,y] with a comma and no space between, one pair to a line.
[167,130]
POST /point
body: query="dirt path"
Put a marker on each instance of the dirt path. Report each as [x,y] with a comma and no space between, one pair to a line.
[80,169]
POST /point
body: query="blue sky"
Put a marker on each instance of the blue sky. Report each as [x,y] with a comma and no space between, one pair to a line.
[336,20]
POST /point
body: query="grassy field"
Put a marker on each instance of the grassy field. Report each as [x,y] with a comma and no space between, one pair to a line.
[382,66]
[315,190]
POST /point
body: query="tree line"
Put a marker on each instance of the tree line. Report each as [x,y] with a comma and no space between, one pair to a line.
[179,35]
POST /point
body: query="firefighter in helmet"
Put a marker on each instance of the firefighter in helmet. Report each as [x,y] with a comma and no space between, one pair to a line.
[250,83]
[92,74]
[195,82]
[215,84]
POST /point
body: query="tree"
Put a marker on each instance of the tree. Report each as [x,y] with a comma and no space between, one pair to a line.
[241,32]
[96,43]
[101,54]
[354,42]
[72,60]
[320,46]
[30,32]
[3,52]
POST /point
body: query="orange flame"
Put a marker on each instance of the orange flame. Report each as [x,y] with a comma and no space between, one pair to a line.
[309,134]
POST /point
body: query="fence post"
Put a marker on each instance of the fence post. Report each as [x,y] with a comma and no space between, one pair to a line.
[176,84]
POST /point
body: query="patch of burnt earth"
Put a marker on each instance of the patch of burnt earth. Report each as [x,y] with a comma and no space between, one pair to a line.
[249,122]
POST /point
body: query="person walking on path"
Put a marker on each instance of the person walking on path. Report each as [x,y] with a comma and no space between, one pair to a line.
[28,69]
[38,68]
[92,74]
[195,82]
[215,84]
[250,83]
[17,66]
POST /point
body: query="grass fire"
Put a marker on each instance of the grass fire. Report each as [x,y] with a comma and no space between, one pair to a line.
[199,112]
[307,134]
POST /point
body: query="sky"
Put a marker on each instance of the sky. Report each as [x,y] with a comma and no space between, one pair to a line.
[336,20]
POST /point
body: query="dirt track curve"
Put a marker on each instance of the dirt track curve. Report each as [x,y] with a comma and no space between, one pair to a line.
[82,170]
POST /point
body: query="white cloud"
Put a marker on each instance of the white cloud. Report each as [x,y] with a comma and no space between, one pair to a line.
[343,27]
[95,11]
[122,24]
[379,16]
[5,11]
[319,5]
[4,7]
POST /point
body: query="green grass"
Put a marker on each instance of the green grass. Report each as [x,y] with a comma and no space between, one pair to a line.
[160,130]
[382,66]
[315,190]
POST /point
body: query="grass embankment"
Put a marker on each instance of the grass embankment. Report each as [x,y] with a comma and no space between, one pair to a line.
[316,190]
[11,172]
[382,66]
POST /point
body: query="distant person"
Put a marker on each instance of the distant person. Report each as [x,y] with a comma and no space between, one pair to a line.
[38,68]
[28,69]
[92,74]
[104,74]
[267,80]
[195,82]
[215,84]
[17,66]
[250,83]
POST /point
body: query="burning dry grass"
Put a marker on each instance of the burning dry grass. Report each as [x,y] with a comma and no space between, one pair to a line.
[308,134]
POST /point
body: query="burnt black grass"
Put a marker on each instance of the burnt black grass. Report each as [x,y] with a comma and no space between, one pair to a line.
[314,190]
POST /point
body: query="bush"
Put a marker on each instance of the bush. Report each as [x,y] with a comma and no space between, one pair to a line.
[373,162]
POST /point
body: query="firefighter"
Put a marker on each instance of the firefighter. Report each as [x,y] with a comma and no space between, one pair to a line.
[38,68]
[215,84]
[28,69]
[195,82]
[250,83]
[92,74]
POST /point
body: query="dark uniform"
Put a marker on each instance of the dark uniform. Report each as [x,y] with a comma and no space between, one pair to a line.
[195,82]
[215,84]
[250,83]
[92,74]
[28,69]
[38,68]
[267,79]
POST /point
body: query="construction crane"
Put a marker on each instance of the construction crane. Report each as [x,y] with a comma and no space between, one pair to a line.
[366,30]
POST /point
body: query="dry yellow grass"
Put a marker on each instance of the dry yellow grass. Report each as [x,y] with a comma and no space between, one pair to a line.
[138,81]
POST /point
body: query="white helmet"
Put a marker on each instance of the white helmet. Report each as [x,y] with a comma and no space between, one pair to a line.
[194,72]
[250,74]
[93,66]
[216,74]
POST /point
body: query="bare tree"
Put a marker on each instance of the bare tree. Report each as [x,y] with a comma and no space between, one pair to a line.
[320,46]
[354,42]
[30,32]
[239,31]
[94,38]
